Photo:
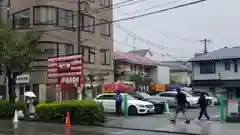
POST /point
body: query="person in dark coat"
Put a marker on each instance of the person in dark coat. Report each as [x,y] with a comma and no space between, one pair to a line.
[118,103]
[181,106]
[203,103]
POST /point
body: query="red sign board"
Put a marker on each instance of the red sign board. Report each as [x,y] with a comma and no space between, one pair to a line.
[66,69]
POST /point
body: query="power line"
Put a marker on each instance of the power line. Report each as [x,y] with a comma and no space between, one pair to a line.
[117,4]
[139,16]
[150,8]
[144,40]
[129,4]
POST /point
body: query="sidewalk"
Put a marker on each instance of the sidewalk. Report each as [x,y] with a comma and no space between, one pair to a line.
[163,125]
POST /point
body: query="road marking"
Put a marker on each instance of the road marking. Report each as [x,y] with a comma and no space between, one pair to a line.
[215,116]
[119,133]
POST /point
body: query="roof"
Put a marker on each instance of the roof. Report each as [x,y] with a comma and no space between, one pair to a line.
[134,58]
[220,54]
[177,65]
[141,52]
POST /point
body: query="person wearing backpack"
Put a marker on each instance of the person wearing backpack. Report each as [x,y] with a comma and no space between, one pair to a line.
[203,104]
[118,103]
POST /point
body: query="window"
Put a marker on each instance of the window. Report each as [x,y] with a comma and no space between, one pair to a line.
[69,49]
[227,66]
[167,95]
[106,97]
[21,19]
[235,66]
[48,15]
[65,18]
[88,22]
[47,50]
[105,28]
[45,15]
[105,3]
[91,1]
[105,57]
[88,54]
[207,68]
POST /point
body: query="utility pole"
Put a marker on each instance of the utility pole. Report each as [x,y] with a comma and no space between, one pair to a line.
[80,90]
[205,42]
[79,27]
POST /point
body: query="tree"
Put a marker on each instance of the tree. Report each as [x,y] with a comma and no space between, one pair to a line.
[17,51]
[140,79]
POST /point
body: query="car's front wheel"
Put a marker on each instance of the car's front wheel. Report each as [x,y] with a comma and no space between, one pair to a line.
[132,110]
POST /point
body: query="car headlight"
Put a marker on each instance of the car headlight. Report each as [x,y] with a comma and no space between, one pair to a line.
[141,105]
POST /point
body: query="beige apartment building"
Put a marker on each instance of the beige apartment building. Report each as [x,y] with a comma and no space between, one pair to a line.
[58,19]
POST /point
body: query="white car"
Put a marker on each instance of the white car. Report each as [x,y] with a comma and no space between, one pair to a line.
[135,106]
[170,98]
[211,99]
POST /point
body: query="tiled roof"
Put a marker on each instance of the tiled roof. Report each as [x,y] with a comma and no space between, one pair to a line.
[141,52]
[134,58]
[223,53]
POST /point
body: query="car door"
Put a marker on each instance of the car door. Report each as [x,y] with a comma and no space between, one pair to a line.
[169,97]
[108,102]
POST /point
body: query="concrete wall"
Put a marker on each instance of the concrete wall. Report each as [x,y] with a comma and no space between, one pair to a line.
[160,74]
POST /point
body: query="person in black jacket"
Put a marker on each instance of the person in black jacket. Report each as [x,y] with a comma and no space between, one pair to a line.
[181,105]
[203,105]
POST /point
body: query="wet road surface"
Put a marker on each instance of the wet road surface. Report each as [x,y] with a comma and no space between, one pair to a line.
[30,128]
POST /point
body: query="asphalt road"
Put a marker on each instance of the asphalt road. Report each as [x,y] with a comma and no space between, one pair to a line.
[31,128]
[213,112]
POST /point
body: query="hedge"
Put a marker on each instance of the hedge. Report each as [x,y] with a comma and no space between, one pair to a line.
[7,109]
[81,112]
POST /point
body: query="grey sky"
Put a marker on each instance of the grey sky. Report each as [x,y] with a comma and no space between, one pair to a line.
[181,29]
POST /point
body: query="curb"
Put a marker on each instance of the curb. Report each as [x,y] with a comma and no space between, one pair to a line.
[149,130]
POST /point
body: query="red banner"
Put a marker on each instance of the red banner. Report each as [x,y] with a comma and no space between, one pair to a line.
[65,70]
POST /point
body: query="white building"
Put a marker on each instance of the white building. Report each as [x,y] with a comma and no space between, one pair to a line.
[218,72]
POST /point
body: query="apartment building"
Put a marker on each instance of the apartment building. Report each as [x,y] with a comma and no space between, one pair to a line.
[58,19]
[217,72]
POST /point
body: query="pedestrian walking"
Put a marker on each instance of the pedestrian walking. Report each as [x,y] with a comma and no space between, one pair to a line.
[203,103]
[118,103]
[181,106]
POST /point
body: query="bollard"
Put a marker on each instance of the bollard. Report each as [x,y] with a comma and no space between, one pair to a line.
[125,103]
[166,107]
[222,108]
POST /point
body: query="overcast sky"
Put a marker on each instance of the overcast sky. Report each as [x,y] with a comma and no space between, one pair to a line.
[179,30]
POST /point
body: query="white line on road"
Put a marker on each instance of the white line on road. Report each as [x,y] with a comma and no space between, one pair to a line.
[119,133]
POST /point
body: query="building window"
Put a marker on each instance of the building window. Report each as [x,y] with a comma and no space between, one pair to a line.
[88,23]
[88,54]
[69,49]
[47,50]
[65,18]
[21,19]
[45,15]
[105,55]
[207,68]
[235,66]
[105,3]
[227,66]
[48,15]
[105,28]
[93,1]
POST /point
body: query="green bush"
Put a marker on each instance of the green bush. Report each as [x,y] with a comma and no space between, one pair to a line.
[81,112]
[7,109]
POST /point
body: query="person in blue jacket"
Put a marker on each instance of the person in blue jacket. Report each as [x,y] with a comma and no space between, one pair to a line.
[118,103]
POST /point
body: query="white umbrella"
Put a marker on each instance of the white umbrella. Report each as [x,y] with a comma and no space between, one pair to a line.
[29,94]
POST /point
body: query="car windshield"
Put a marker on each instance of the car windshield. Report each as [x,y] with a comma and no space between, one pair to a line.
[136,96]
[188,94]
[145,95]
